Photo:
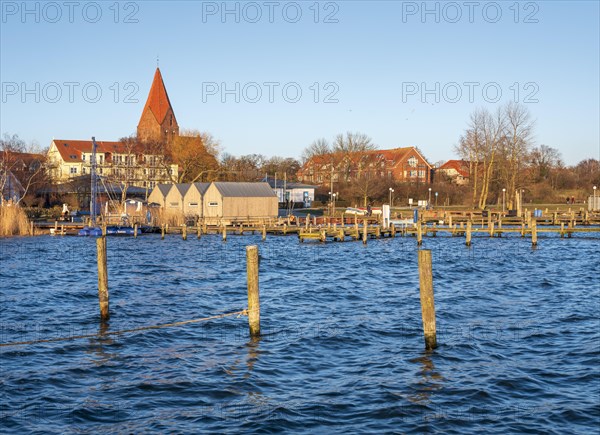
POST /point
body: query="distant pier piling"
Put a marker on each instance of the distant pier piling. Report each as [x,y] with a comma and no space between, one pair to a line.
[253,290]
[365,229]
[184,232]
[468,234]
[427,301]
[102,277]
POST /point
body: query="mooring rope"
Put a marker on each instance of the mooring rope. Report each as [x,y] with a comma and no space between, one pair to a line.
[126,331]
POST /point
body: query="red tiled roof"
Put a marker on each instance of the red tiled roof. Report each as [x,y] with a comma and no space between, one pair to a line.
[396,155]
[460,166]
[70,150]
[158,100]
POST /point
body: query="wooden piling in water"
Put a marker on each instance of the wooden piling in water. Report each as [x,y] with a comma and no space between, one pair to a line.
[562,230]
[198,230]
[162,232]
[224,233]
[184,232]
[393,229]
[468,234]
[534,232]
[102,277]
[491,228]
[427,300]
[31,228]
[419,234]
[264,233]
[135,228]
[62,230]
[253,290]
[365,228]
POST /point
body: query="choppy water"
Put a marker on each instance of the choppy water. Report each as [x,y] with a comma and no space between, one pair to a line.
[342,347]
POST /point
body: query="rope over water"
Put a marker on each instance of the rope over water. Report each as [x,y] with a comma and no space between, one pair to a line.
[126,331]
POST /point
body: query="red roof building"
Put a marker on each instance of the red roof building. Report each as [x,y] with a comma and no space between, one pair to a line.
[457,170]
[400,164]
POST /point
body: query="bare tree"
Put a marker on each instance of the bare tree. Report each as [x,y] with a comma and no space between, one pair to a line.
[318,148]
[353,143]
[515,146]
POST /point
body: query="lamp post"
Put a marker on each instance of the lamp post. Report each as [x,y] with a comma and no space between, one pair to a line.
[503,199]
[331,203]
[429,200]
[436,195]
[594,203]
[391,192]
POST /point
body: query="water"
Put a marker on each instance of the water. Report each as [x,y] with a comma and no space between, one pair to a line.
[342,347]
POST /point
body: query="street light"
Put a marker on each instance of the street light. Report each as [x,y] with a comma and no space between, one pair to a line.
[503,199]
[391,192]
[594,203]
[429,201]
[436,195]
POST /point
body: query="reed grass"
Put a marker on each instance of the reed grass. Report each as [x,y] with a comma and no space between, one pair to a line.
[13,221]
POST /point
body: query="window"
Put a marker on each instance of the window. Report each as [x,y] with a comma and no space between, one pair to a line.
[412,162]
[73,170]
[173,204]
[83,157]
[213,204]
[421,174]
[413,174]
[192,204]
[83,171]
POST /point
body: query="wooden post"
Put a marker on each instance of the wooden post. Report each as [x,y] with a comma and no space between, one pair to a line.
[427,301]
[55,227]
[102,277]
[554,218]
[184,232]
[562,230]
[62,229]
[253,290]
[364,238]
[491,228]
[31,228]
[534,232]
[224,233]
[419,234]
[162,232]
[284,229]
[522,229]
[468,234]
[264,232]
[342,235]
[307,221]
[378,231]
[449,220]
[198,230]
[135,228]
[393,229]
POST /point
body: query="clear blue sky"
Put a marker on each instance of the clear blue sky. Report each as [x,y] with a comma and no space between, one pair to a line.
[367,58]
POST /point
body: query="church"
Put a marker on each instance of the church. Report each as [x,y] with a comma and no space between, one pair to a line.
[139,163]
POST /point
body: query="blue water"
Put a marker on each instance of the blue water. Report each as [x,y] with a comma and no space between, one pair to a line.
[342,347]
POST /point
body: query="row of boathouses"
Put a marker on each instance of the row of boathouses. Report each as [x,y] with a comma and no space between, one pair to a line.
[216,202]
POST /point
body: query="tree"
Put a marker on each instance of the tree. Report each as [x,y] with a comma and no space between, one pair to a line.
[21,164]
[480,144]
[318,148]
[543,160]
[195,154]
[516,143]
[352,143]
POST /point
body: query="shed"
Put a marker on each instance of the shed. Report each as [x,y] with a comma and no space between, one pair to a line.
[159,194]
[228,202]
[193,198]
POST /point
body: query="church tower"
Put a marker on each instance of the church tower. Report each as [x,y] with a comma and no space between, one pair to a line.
[158,119]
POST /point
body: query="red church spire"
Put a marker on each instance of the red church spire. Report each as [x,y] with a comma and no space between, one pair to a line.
[158,117]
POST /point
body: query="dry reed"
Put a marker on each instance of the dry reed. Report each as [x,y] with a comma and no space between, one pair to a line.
[13,221]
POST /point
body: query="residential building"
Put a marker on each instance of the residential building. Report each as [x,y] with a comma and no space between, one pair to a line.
[136,163]
[299,194]
[399,164]
[456,170]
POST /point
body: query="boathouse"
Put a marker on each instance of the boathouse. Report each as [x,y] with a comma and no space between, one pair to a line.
[227,202]
[193,206]
[159,194]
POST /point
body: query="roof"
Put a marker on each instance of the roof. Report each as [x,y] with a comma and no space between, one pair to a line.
[278,184]
[248,190]
[394,157]
[158,100]
[460,166]
[164,188]
[70,150]
[202,187]
[183,188]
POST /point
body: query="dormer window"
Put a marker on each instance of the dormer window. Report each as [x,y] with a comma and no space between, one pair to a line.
[412,161]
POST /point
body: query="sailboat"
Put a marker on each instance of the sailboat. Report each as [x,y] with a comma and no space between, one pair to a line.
[94,230]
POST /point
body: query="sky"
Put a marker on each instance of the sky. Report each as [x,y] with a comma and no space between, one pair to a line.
[271,77]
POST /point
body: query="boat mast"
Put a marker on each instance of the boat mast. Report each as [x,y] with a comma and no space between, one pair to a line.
[94,188]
